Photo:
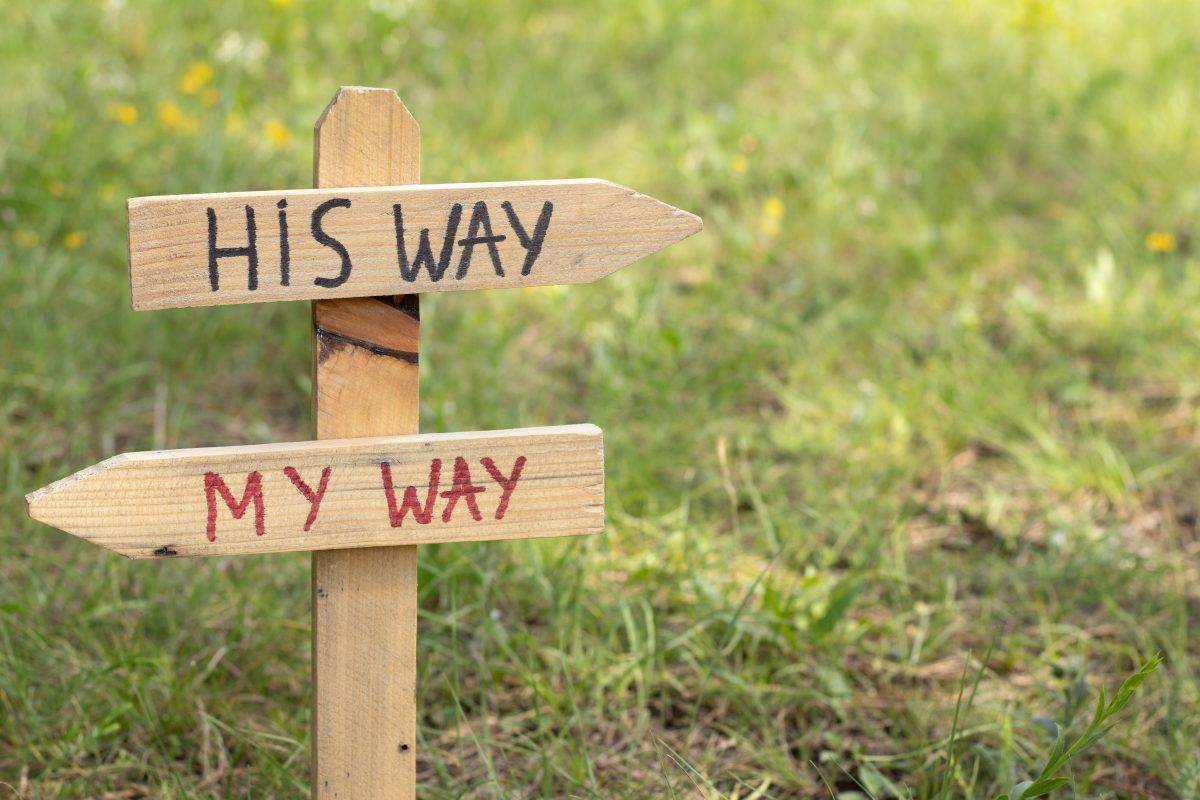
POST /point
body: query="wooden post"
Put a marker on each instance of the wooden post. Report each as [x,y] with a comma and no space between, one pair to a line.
[364,601]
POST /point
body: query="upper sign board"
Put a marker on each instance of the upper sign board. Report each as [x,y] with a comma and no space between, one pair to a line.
[336,493]
[315,244]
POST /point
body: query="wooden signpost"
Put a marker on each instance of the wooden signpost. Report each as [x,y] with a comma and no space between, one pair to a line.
[370,489]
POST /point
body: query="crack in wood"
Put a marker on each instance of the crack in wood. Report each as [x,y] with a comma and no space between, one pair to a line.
[332,341]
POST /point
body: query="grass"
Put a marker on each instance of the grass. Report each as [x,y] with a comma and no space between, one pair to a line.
[922,402]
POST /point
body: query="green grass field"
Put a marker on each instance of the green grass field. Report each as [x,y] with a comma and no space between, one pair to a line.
[916,415]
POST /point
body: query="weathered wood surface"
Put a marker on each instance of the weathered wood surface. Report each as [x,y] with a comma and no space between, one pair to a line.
[332,494]
[365,602]
[254,247]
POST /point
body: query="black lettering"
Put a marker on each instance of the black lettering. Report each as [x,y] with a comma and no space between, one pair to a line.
[333,244]
[215,254]
[285,250]
[533,246]
[424,251]
[479,219]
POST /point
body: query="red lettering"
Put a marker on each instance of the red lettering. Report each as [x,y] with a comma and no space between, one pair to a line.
[462,488]
[507,485]
[410,503]
[314,499]
[214,484]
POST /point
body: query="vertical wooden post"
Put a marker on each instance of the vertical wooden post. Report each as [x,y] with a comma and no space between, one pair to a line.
[364,602]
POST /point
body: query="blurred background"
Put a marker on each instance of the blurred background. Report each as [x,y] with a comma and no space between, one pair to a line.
[902,449]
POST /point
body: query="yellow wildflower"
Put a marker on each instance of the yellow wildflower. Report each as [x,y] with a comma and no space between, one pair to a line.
[281,3]
[1032,16]
[198,74]
[124,113]
[772,214]
[175,119]
[74,239]
[1160,242]
[24,238]
[738,162]
[234,122]
[277,133]
[56,188]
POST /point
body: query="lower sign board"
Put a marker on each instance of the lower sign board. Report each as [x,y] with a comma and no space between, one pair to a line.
[336,493]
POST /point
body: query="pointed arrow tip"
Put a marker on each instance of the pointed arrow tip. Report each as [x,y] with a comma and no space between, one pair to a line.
[661,224]
[686,223]
[33,504]
[695,223]
[40,503]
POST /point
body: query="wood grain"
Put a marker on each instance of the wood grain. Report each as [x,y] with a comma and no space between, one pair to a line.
[161,504]
[364,602]
[592,228]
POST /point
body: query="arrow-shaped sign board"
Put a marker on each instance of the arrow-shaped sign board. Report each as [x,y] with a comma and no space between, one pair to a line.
[336,493]
[316,244]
